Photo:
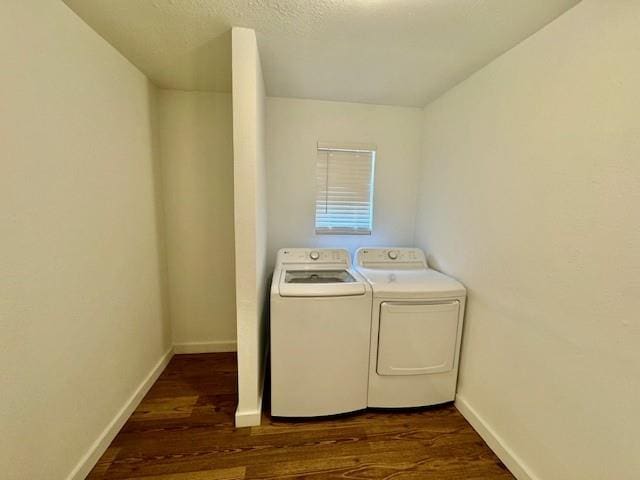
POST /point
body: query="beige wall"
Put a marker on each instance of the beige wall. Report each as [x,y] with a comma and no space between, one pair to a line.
[250,219]
[294,128]
[81,315]
[530,196]
[195,130]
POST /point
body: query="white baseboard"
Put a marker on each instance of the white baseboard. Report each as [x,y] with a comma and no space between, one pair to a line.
[249,418]
[514,463]
[95,451]
[252,418]
[205,347]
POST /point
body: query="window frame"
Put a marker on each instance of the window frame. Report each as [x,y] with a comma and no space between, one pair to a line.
[348,148]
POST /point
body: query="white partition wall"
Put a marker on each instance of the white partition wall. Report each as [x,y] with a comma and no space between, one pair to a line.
[250,222]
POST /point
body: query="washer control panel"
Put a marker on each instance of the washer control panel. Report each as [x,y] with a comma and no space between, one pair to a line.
[314,255]
[388,256]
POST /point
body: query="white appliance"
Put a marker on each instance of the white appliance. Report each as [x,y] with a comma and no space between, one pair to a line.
[320,330]
[416,328]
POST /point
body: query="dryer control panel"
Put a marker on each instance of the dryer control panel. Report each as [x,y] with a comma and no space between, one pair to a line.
[338,256]
[388,257]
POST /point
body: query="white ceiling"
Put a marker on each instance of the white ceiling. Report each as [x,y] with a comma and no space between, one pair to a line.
[398,52]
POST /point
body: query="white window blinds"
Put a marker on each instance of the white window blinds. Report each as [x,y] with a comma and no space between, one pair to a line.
[344,194]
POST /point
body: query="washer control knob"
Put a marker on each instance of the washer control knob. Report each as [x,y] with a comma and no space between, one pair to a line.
[393,254]
[314,255]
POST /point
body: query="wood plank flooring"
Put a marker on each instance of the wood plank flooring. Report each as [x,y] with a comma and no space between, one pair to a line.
[183,430]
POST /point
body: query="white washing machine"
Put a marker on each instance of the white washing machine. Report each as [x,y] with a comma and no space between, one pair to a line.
[320,330]
[416,328]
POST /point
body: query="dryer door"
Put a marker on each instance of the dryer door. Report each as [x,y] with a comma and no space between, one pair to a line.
[416,339]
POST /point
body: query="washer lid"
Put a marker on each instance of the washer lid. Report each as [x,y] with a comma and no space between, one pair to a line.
[318,276]
[329,282]
[423,283]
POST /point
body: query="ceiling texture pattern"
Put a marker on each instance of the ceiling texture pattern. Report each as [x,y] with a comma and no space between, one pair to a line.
[394,52]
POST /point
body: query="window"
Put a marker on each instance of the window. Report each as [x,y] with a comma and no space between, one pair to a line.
[344,194]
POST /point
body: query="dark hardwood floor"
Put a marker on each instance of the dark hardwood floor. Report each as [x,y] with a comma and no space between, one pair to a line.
[183,430]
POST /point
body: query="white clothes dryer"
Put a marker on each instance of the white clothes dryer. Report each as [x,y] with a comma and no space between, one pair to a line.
[416,328]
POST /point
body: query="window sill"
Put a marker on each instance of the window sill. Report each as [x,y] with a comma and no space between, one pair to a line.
[344,231]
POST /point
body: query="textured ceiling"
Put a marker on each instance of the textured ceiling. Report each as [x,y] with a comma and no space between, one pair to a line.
[399,52]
